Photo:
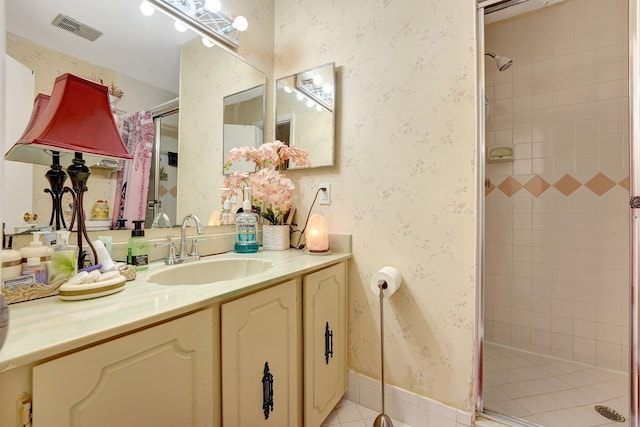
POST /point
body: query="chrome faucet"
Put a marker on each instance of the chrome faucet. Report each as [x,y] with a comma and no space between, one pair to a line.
[183,238]
[161,221]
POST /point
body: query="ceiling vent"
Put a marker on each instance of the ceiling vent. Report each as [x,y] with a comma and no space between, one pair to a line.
[76,27]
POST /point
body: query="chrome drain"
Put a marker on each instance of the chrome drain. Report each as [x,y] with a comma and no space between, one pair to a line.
[610,414]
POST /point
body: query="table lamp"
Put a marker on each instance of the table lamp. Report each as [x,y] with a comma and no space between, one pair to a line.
[77,120]
[317,235]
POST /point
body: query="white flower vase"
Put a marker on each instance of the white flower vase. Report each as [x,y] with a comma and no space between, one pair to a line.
[275,237]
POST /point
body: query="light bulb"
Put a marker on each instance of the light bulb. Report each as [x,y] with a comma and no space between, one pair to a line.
[240,23]
[327,88]
[310,103]
[146,8]
[299,96]
[288,89]
[208,42]
[212,6]
[318,109]
[317,80]
[179,26]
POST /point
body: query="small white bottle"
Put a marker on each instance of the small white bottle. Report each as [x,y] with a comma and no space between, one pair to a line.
[227,217]
[103,256]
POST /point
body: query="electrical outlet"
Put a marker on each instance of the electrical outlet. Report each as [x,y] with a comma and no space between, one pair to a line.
[324,198]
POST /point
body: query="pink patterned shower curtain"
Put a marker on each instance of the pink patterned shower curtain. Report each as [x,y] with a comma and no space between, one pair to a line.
[133,180]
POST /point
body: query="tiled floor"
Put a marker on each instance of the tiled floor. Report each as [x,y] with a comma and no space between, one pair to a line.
[349,414]
[550,392]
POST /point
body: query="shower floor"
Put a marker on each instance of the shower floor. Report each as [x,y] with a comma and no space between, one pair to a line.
[551,392]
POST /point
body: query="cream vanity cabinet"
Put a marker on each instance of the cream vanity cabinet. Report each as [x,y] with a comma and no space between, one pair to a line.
[262,381]
[271,357]
[261,358]
[159,376]
[325,342]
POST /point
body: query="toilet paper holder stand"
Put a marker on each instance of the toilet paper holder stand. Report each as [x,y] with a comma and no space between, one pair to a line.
[382,420]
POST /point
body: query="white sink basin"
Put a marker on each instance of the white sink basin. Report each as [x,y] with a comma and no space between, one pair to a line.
[205,272]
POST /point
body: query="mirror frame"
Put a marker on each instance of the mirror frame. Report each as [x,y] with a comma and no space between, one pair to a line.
[297,82]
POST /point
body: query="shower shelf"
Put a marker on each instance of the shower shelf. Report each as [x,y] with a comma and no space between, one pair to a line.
[500,154]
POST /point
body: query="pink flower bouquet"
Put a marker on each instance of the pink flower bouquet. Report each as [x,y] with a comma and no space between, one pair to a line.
[271,191]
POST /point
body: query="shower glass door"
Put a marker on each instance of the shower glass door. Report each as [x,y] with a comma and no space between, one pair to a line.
[555,323]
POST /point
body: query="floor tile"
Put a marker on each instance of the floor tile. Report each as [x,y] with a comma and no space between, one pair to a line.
[550,391]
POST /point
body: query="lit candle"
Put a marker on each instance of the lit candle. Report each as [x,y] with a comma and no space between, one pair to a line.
[317,234]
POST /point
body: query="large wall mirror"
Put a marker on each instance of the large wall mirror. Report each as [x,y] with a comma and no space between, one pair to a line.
[152,64]
[305,113]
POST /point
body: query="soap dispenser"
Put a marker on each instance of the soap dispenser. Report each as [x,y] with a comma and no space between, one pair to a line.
[64,259]
[227,217]
[246,228]
[34,259]
[138,247]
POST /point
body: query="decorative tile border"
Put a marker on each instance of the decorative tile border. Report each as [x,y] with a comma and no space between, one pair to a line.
[405,406]
[567,185]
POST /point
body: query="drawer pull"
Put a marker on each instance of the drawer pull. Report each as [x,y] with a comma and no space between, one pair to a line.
[267,391]
[328,343]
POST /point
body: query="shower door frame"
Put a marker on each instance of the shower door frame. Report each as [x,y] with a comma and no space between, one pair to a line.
[634,193]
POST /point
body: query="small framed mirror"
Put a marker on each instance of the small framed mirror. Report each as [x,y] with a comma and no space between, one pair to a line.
[305,113]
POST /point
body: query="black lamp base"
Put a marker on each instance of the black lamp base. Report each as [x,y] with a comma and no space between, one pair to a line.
[56,177]
[79,174]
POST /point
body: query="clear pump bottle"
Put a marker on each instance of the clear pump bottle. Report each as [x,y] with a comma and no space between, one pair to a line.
[246,228]
[64,259]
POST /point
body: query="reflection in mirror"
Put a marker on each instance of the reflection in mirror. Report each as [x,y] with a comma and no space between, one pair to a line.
[137,55]
[204,85]
[243,124]
[163,185]
[305,113]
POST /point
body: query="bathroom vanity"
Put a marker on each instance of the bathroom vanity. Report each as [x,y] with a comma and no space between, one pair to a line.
[268,348]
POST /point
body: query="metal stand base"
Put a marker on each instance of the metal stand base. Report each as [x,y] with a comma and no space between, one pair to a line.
[382,420]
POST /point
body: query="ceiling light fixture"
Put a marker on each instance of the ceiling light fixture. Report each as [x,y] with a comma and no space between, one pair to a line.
[240,23]
[201,17]
[212,6]
[147,8]
[179,26]
[207,42]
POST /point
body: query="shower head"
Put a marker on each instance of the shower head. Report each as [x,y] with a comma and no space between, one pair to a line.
[502,62]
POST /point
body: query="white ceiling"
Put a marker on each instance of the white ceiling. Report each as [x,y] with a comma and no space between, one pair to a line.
[145,48]
[518,9]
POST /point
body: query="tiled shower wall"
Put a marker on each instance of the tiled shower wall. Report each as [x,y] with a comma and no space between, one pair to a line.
[556,279]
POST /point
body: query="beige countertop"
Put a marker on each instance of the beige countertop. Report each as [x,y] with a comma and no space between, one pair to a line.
[50,326]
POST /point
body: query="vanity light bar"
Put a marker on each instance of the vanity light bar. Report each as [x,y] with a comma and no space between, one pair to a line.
[213,25]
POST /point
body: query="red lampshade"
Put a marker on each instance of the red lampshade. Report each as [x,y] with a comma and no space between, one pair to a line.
[39,105]
[77,118]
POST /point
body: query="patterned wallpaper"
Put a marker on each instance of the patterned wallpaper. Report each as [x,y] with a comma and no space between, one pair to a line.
[404,182]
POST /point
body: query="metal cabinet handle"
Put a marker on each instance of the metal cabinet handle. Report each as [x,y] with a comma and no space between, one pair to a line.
[267,391]
[328,343]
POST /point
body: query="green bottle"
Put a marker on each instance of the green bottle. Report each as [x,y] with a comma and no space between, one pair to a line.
[138,247]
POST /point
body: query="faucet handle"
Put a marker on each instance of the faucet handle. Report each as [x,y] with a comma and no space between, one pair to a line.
[172,249]
[194,246]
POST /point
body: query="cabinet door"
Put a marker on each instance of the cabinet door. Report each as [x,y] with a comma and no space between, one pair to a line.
[261,359]
[161,376]
[325,342]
